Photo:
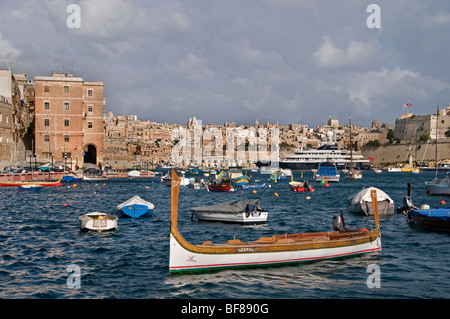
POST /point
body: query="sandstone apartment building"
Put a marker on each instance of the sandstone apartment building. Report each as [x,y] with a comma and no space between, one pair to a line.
[69,120]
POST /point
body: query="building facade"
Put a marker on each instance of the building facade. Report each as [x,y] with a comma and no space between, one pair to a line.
[69,120]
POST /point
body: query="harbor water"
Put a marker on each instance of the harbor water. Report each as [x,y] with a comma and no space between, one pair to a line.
[43,254]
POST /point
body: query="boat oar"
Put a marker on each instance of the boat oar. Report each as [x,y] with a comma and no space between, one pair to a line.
[373,192]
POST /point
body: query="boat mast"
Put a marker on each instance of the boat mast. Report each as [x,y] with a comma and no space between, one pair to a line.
[373,194]
[351,146]
[174,190]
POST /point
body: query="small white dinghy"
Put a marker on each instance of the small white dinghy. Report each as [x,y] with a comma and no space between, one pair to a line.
[98,222]
[362,202]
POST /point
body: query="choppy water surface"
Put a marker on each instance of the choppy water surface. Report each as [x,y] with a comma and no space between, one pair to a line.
[40,240]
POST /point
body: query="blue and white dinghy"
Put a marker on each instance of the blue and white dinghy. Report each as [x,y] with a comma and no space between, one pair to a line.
[136,207]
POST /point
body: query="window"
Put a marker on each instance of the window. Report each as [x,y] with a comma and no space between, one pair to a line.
[46,88]
[46,138]
[90,92]
[66,89]
[90,108]
[66,138]
[46,105]
[46,122]
[66,122]
[66,106]
[90,124]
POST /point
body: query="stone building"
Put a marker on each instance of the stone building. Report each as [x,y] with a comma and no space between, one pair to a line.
[15,119]
[410,127]
[69,119]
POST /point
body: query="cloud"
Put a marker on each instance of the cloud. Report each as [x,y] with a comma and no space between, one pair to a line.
[191,67]
[7,51]
[375,90]
[356,54]
[119,19]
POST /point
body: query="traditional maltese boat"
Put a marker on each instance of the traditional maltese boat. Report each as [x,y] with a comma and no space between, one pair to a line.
[29,183]
[266,251]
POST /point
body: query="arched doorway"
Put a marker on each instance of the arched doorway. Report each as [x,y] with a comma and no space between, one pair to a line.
[90,154]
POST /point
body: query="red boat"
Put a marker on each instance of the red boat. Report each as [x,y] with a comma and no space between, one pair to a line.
[301,186]
[220,186]
[35,182]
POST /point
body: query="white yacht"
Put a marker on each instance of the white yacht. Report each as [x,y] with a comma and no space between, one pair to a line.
[305,160]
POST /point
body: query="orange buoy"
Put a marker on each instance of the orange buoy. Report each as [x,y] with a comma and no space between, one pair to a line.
[442,202]
[276,194]
[74,185]
[64,205]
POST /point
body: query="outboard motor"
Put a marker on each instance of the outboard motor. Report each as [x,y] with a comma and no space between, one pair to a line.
[339,223]
[407,205]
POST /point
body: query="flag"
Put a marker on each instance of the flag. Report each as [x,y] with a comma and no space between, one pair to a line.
[370,158]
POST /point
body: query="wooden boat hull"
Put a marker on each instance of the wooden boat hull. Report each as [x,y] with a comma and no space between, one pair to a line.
[241,181]
[187,258]
[266,251]
[222,187]
[24,183]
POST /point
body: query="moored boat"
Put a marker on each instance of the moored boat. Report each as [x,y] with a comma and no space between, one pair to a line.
[220,186]
[439,186]
[435,219]
[29,188]
[301,186]
[247,211]
[97,221]
[361,202]
[241,181]
[431,218]
[266,251]
[134,173]
[33,182]
[327,172]
[136,207]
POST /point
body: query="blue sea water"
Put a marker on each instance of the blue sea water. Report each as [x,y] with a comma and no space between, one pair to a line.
[40,241]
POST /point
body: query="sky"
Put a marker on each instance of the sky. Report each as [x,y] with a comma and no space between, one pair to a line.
[291,61]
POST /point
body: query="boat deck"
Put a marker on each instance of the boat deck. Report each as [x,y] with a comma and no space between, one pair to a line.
[299,239]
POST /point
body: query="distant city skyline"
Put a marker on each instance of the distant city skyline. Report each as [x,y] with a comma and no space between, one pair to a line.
[233,61]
